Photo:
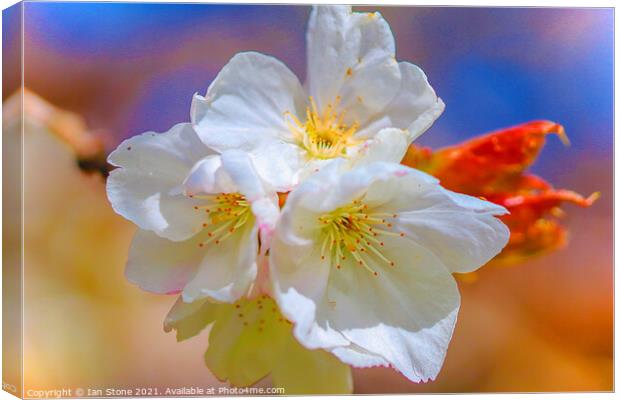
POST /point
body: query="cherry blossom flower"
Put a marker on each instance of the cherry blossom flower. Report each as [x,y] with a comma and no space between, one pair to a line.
[355,89]
[362,262]
[199,214]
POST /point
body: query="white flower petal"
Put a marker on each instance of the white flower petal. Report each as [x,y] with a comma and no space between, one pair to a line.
[245,104]
[278,163]
[264,201]
[302,308]
[474,241]
[146,189]
[160,265]
[299,276]
[389,145]
[351,55]
[339,184]
[406,313]
[242,171]
[474,203]
[358,357]
[208,176]
[224,272]
[461,230]
[428,214]
[228,269]
[415,107]
[244,109]
[324,190]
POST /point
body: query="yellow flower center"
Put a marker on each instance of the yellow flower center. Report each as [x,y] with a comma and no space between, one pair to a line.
[226,213]
[354,232]
[322,135]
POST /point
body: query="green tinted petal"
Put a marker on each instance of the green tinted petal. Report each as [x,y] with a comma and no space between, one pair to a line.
[246,341]
[188,319]
[251,339]
[304,371]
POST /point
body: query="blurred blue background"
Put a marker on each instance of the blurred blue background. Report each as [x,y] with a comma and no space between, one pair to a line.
[130,68]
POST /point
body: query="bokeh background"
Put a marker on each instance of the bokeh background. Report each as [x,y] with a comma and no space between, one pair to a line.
[546,325]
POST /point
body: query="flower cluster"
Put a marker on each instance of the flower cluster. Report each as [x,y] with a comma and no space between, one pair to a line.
[283,216]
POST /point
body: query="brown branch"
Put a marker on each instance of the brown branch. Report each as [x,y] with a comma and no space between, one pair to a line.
[67,126]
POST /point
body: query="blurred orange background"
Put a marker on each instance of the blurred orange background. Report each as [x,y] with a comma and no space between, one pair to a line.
[546,325]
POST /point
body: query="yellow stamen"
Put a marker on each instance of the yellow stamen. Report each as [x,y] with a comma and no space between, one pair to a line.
[226,213]
[325,135]
[352,231]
